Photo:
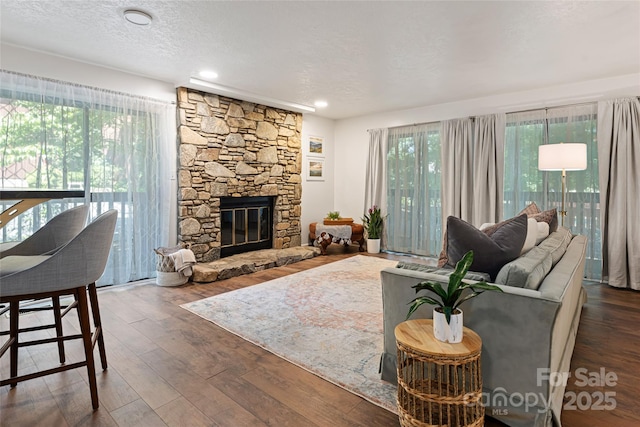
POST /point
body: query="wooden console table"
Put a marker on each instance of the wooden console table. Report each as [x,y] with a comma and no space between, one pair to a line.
[439,384]
[28,198]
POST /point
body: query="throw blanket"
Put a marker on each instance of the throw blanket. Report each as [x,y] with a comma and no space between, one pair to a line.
[184,259]
[339,232]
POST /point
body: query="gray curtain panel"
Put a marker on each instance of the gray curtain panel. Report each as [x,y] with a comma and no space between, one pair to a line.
[375,192]
[457,169]
[619,167]
[488,169]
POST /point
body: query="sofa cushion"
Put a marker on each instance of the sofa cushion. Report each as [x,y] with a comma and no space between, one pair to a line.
[528,271]
[445,271]
[556,244]
[533,233]
[488,228]
[491,251]
[543,232]
[530,210]
[550,217]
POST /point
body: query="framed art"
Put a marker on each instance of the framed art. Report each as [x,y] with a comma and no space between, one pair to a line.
[316,146]
[315,169]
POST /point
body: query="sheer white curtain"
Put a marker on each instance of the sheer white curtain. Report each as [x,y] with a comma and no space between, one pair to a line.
[119,148]
[524,183]
[578,124]
[457,169]
[619,151]
[488,168]
[413,190]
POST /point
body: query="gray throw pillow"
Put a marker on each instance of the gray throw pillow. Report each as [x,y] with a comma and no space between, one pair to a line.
[527,271]
[490,253]
[557,243]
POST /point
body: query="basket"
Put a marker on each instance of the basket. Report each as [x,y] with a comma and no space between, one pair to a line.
[166,274]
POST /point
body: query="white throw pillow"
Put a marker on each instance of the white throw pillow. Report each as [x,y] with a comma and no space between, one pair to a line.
[543,231]
[486,225]
[532,235]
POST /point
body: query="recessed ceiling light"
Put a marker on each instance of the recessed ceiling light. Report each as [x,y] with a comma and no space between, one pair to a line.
[208,74]
[137,17]
[321,104]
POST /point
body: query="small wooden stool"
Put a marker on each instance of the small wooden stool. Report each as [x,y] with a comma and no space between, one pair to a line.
[439,384]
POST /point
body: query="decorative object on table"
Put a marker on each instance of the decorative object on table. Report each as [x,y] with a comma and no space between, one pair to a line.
[373,222]
[333,215]
[315,169]
[447,317]
[438,385]
[562,157]
[334,218]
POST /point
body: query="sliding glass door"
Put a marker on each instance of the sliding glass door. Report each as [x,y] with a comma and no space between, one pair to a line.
[113,146]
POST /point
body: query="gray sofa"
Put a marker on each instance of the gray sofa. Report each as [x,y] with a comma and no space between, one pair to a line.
[526,333]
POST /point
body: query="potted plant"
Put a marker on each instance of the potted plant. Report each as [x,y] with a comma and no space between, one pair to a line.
[447,316]
[333,215]
[373,223]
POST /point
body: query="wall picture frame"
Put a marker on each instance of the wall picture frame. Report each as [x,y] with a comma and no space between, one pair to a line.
[315,169]
[316,146]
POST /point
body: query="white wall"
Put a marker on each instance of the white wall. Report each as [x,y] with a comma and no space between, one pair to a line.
[317,196]
[41,64]
[352,138]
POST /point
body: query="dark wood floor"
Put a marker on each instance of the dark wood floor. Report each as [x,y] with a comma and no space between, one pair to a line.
[168,366]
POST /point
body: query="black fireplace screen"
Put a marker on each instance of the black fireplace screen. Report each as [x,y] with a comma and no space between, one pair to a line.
[246,224]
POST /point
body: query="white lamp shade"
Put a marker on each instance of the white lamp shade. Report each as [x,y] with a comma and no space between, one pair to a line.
[556,157]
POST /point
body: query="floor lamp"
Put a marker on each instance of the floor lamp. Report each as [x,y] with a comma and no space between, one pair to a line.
[562,157]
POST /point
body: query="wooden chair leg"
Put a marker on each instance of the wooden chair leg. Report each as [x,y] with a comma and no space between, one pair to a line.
[57,317]
[14,311]
[97,323]
[85,327]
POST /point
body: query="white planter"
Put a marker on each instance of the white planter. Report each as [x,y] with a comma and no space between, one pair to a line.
[373,246]
[447,332]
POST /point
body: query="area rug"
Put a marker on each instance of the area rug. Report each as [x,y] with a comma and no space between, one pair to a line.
[327,320]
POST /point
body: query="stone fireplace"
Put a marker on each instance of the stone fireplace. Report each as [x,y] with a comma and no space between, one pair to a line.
[232,150]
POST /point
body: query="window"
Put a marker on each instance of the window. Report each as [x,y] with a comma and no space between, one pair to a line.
[524,183]
[414,207]
[113,146]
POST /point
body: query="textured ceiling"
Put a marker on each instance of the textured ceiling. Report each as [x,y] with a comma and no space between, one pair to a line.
[361,57]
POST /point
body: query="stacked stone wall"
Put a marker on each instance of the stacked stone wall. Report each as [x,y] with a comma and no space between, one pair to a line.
[234,148]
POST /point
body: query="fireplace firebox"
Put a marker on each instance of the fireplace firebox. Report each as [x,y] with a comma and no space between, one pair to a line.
[246,224]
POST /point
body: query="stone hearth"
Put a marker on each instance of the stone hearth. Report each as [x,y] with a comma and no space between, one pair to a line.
[233,148]
[250,262]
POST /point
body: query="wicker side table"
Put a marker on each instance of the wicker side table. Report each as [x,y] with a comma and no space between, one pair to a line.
[439,384]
